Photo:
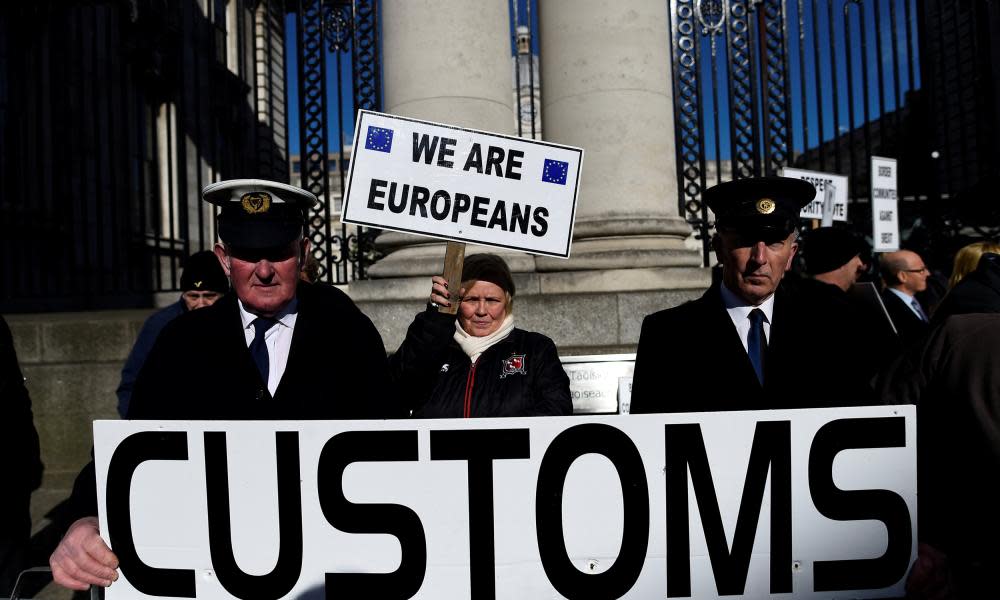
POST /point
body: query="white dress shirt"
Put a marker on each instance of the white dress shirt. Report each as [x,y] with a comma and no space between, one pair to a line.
[278,340]
[907,300]
[739,312]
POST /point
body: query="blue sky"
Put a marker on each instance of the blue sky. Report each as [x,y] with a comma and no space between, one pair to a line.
[806,132]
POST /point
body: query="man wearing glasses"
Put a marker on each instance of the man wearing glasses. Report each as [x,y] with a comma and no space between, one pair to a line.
[905,274]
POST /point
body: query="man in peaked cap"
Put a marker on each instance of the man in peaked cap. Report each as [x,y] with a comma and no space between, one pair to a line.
[747,343]
[275,348]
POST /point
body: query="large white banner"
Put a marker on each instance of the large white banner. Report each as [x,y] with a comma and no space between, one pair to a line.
[806,504]
[462,185]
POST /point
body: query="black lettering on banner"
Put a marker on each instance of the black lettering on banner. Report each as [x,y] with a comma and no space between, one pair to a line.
[419,200]
[446,150]
[401,205]
[499,218]
[375,192]
[423,147]
[286,570]
[462,203]
[393,519]
[859,505]
[480,448]
[494,158]
[771,450]
[479,207]
[441,214]
[513,163]
[475,159]
[130,453]
[613,444]
[541,225]
[519,218]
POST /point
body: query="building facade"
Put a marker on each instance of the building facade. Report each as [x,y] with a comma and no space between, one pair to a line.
[113,117]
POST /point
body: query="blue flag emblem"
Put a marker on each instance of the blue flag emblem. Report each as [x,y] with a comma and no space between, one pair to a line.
[555,171]
[379,139]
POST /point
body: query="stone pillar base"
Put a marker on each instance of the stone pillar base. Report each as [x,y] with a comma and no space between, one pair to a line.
[412,256]
[585,312]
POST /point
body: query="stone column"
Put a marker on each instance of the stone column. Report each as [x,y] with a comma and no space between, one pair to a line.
[606,87]
[447,61]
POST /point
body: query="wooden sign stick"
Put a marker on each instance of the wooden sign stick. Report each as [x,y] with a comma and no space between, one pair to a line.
[454,258]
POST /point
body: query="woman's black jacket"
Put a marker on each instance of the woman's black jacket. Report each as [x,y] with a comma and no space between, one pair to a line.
[519,376]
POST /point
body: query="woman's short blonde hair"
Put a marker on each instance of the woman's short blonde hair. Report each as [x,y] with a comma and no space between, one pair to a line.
[967,259]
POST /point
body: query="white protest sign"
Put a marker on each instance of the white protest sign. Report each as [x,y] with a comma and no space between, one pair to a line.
[814,503]
[885,205]
[594,381]
[462,185]
[830,203]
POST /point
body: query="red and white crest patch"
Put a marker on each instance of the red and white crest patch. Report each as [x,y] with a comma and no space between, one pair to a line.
[514,364]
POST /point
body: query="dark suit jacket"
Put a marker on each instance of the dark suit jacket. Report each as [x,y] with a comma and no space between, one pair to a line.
[911,329]
[200,368]
[690,358]
[20,465]
[954,379]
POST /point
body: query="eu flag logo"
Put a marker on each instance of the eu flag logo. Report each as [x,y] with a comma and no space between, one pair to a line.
[555,171]
[379,139]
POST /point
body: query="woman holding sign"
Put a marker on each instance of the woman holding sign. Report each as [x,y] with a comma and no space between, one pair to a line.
[476,363]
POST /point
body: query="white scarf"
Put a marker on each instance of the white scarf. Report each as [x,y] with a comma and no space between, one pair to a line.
[474,346]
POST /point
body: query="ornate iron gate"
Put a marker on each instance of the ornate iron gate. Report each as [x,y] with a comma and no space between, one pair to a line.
[334,30]
[824,85]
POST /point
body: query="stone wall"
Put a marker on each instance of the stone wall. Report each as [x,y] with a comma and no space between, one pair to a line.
[72,363]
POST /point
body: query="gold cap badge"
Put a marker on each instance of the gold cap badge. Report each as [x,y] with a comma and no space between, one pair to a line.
[197,284]
[765,206]
[256,202]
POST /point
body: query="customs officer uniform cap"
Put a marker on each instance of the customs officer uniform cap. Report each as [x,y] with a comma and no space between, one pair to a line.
[766,205]
[256,213]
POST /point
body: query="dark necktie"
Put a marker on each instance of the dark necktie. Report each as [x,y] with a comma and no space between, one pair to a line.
[920,311]
[258,347]
[757,343]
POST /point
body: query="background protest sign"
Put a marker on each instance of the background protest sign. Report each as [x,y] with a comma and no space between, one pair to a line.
[885,205]
[462,185]
[830,203]
[801,503]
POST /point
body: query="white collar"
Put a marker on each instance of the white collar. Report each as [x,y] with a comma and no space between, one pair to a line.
[902,295]
[737,307]
[286,317]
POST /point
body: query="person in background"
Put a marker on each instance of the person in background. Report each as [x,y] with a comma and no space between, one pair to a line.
[905,275]
[202,283]
[833,256]
[476,363]
[310,269]
[967,259]
[834,260]
[954,380]
[977,292]
[750,341]
[20,464]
